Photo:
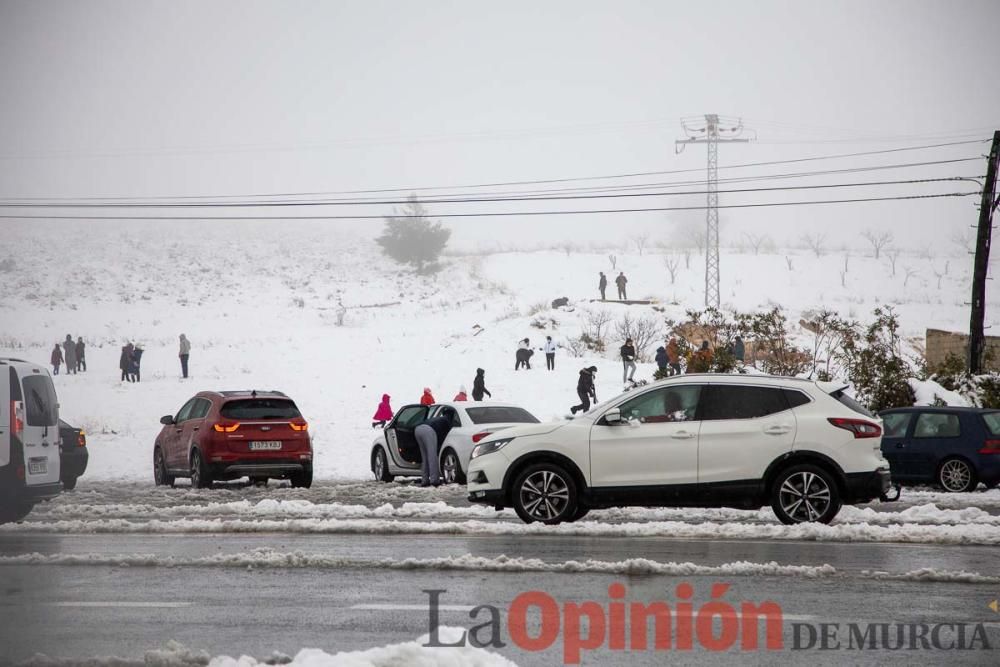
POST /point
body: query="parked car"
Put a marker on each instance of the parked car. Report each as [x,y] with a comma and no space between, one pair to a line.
[803,447]
[29,438]
[395,452]
[225,435]
[73,454]
[955,448]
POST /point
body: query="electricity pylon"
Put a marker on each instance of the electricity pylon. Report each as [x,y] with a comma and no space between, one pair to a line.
[712,134]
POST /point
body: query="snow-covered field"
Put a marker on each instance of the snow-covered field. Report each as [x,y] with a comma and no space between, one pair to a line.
[260,305]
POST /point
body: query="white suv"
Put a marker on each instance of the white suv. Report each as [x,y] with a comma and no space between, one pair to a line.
[803,447]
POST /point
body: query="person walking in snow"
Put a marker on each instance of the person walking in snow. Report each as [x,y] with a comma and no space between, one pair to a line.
[56,359]
[621,281]
[628,360]
[81,359]
[429,437]
[661,359]
[585,390]
[550,353]
[523,355]
[603,285]
[739,349]
[383,414]
[124,362]
[461,395]
[674,356]
[479,386]
[69,355]
[134,368]
[427,398]
[184,354]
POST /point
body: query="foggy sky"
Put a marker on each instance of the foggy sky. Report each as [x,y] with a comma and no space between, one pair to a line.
[106,99]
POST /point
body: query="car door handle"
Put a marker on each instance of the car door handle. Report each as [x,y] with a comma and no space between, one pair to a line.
[779,429]
[900,445]
[682,435]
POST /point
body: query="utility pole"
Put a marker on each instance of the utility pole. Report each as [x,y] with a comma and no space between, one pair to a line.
[977,340]
[710,135]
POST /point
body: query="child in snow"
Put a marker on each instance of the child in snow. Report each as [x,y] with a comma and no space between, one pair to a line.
[57,358]
[383,414]
[427,398]
[461,395]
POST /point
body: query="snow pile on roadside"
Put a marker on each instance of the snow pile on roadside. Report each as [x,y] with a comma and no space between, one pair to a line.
[927,391]
[174,654]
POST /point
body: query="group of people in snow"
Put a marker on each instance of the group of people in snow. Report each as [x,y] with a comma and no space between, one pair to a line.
[621,281]
[383,414]
[73,354]
[130,362]
[522,357]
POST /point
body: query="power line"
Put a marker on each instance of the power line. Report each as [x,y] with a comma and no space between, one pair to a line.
[493,214]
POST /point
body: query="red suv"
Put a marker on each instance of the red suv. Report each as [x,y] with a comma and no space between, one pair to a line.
[223,435]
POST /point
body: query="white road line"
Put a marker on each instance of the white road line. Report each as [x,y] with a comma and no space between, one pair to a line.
[139,605]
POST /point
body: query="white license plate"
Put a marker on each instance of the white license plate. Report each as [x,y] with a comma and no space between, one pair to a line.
[265,444]
[38,466]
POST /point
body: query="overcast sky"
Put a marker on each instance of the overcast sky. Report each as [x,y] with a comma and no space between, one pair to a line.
[106,99]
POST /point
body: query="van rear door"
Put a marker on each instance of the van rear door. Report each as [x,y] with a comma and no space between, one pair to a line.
[40,434]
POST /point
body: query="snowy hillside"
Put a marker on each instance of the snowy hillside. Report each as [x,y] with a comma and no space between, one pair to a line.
[261,307]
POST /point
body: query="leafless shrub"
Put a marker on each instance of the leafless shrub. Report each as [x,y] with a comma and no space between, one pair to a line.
[909,272]
[755,241]
[596,326]
[642,330]
[672,263]
[788,261]
[640,241]
[893,255]
[815,242]
[614,261]
[537,307]
[877,240]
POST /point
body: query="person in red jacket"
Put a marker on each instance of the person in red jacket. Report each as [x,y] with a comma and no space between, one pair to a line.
[383,414]
[427,398]
[461,395]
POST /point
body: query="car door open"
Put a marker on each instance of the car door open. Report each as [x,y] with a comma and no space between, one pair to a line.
[399,435]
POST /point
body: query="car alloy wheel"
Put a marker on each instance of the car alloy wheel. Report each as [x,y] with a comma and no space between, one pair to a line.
[805,496]
[380,467]
[956,476]
[451,469]
[544,495]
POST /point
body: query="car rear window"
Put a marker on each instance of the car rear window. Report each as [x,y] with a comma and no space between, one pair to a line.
[896,423]
[496,414]
[260,408]
[41,405]
[851,403]
[992,420]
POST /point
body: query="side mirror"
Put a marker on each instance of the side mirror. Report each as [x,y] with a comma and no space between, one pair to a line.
[167,420]
[613,416]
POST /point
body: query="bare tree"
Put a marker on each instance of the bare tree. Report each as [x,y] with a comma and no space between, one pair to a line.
[614,262]
[597,326]
[847,259]
[640,241]
[672,262]
[568,247]
[642,330]
[964,240]
[843,278]
[877,240]
[910,272]
[893,255]
[941,274]
[788,261]
[755,241]
[815,242]
[687,258]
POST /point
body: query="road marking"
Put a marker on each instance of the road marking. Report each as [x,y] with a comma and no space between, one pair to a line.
[139,605]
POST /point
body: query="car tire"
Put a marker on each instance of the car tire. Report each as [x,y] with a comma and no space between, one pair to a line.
[160,476]
[581,511]
[380,466]
[69,483]
[200,477]
[956,475]
[302,480]
[544,492]
[15,512]
[805,493]
[451,469]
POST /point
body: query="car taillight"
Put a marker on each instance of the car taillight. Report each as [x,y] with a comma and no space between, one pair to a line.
[479,436]
[860,427]
[81,440]
[226,428]
[990,447]
[16,417]
[304,426]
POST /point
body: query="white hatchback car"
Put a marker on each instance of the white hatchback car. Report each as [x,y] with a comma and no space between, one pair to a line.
[395,452]
[803,447]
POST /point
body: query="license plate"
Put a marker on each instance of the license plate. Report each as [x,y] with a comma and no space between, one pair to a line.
[265,444]
[38,466]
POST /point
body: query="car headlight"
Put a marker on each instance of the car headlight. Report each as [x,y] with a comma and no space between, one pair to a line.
[490,447]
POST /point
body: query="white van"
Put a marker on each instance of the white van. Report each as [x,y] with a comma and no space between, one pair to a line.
[29,438]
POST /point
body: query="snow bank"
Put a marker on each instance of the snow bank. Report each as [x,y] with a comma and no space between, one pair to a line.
[928,391]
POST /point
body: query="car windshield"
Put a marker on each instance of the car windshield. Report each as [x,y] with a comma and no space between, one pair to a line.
[498,414]
[992,420]
[260,408]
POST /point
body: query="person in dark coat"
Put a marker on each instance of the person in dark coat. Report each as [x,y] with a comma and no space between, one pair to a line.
[628,360]
[479,386]
[585,389]
[56,359]
[430,435]
[621,281]
[125,362]
[81,358]
[603,285]
[661,358]
[134,368]
[674,356]
[739,349]
[69,354]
